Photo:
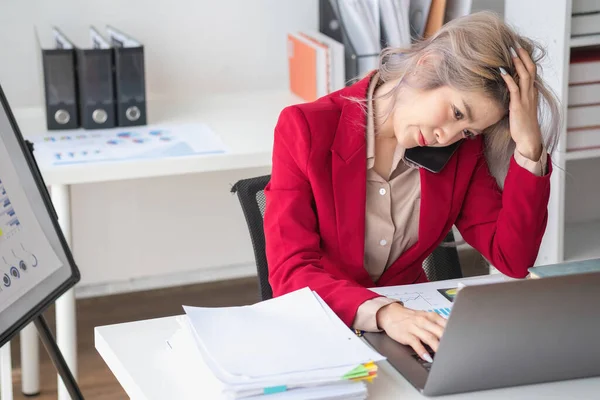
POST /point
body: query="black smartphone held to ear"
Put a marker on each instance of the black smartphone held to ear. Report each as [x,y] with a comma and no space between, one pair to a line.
[433,159]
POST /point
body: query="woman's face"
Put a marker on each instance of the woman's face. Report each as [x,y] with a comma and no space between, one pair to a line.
[441,116]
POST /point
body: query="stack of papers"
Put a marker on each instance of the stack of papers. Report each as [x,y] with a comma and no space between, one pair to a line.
[289,347]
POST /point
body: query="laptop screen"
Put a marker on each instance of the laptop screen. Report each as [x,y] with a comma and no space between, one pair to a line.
[34,261]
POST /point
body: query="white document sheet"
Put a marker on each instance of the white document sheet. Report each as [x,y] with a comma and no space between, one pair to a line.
[191,372]
[435,296]
[285,335]
[122,144]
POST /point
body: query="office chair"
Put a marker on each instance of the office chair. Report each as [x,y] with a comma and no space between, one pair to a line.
[251,195]
[442,264]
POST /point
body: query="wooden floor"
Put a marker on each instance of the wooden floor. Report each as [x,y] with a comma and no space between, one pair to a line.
[95,379]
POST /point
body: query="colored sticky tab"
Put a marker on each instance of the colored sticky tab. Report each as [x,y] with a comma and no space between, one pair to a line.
[275,389]
[363,372]
[357,372]
[368,378]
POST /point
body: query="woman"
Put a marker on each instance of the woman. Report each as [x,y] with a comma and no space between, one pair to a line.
[345,212]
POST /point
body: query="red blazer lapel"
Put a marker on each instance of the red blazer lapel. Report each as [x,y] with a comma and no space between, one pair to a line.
[349,175]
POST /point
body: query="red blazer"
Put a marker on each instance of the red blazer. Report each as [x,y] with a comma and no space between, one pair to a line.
[315,207]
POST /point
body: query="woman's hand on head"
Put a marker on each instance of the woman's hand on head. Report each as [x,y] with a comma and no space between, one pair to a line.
[412,328]
[523,109]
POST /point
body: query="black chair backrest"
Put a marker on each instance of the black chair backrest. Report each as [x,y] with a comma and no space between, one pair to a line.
[442,264]
[251,195]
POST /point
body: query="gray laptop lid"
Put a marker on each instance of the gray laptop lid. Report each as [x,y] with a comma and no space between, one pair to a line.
[519,332]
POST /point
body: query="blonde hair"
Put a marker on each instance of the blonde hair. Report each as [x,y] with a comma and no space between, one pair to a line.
[469,51]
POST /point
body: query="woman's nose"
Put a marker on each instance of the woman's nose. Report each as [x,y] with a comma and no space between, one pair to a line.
[445,138]
[441,136]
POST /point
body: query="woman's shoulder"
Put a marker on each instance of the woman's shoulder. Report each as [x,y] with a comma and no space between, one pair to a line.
[318,118]
[320,108]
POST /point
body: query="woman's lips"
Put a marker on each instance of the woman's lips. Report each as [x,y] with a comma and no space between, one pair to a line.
[422,141]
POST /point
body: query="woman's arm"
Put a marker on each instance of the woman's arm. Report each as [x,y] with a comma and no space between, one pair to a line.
[291,226]
[506,227]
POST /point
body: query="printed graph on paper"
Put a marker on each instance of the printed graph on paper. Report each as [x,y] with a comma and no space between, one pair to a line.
[419,301]
[117,144]
[427,299]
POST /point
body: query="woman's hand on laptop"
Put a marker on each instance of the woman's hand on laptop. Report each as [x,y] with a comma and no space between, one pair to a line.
[412,328]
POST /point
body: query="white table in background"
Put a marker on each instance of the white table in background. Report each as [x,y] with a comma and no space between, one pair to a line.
[244,121]
[136,354]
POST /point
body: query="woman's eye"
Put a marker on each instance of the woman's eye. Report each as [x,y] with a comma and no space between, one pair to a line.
[457,114]
[468,134]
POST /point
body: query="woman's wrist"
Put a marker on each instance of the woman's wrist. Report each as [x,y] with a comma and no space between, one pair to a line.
[530,149]
[383,316]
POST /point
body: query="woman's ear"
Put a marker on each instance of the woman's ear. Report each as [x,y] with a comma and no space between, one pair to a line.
[429,60]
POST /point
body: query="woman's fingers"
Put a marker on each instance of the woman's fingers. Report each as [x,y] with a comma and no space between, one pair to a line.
[524,78]
[437,318]
[527,61]
[418,347]
[513,88]
[426,337]
[425,322]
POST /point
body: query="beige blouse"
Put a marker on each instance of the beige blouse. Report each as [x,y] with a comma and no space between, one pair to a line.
[392,213]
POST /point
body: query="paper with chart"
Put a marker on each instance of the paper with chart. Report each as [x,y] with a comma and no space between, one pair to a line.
[435,296]
[121,144]
[423,299]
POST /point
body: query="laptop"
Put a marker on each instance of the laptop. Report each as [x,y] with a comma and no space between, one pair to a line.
[507,334]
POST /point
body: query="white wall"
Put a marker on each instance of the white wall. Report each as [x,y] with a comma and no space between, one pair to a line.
[193,47]
[186,228]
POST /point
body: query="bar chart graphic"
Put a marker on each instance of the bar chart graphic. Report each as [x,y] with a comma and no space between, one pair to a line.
[9,221]
[421,301]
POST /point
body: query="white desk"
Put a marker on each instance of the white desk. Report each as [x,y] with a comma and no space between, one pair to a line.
[136,354]
[245,123]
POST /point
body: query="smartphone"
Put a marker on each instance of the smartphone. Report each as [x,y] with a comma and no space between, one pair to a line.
[433,159]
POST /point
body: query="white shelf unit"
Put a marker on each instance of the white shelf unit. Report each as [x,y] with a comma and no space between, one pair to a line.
[573,230]
[582,154]
[583,41]
[582,240]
